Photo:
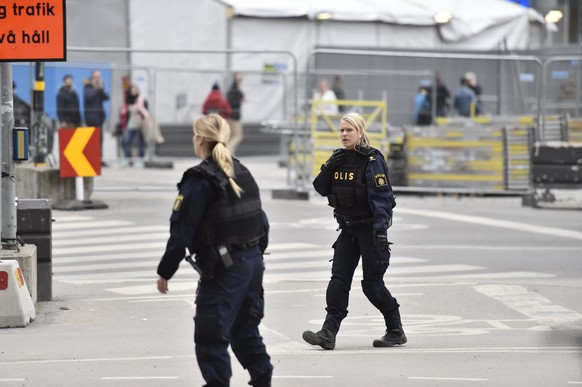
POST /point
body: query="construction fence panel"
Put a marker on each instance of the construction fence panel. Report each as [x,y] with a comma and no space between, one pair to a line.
[510,83]
[562,98]
[573,129]
[480,154]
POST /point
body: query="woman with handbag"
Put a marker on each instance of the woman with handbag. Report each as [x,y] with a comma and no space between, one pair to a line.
[137,115]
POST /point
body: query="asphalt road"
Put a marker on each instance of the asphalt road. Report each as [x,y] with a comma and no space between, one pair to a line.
[489,290]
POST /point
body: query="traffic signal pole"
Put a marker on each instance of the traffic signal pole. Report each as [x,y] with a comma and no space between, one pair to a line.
[8,211]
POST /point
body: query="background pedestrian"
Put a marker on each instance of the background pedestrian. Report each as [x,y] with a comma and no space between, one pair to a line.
[68,110]
[235,98]
[94,96]
[216,103]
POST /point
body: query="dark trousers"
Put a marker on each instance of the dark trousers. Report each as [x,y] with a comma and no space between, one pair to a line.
[229,309]
[353,242]
[129,137]
[101,132]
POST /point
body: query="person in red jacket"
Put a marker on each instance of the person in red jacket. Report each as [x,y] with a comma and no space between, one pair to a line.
[216,103]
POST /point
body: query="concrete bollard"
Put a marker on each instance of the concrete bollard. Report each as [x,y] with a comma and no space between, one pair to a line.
[26,256]
[16,307]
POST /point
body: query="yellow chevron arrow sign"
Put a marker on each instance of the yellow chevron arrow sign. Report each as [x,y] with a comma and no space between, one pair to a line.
[81,152]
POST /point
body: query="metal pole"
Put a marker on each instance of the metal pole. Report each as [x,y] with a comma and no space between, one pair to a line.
[40,143]
[151,141]
[434,96]
[8,187]
[79,189]
[578,89]
[3,138]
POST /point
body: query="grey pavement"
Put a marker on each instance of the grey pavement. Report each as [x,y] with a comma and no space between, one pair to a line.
[489,293]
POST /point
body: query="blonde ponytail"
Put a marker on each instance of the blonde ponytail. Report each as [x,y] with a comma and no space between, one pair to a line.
[216,130]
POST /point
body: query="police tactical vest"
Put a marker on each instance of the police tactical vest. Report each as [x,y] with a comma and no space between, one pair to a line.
[348,185]
[230,220]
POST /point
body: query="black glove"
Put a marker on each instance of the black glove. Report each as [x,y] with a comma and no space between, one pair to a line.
[381,240]
[337,158]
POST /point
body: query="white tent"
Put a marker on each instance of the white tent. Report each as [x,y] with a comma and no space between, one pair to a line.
[297,26]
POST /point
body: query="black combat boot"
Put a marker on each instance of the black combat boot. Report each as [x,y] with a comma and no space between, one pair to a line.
[393,336]
[324,338]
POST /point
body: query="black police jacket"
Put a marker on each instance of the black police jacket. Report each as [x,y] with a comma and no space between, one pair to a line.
[379,196]
[230,220]
[349,193]
[200,192]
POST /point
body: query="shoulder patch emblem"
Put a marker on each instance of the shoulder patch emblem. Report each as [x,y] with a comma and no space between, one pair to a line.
[372,158]
[380,180]
[178,203]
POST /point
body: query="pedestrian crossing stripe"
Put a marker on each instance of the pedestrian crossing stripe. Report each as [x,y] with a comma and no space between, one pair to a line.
[86,249]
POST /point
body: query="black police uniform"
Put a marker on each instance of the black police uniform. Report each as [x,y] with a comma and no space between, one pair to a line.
[230,304]
[360,192]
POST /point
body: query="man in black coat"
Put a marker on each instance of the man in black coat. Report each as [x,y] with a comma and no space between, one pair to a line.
[94,96]
[68,104]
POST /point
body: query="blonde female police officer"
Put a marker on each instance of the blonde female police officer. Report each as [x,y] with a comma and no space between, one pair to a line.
[355,181]
[218,216]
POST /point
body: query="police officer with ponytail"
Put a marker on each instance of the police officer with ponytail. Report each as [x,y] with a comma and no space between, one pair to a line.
[355,181]
[218,217]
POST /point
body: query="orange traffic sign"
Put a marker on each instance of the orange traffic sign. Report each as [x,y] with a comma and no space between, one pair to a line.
[80,152]
[32,30]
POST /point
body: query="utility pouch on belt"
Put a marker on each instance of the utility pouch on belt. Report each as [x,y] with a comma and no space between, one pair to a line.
[224,255]
[207,259]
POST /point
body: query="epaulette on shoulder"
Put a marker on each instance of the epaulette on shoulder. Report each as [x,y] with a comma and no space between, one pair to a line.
[368,152]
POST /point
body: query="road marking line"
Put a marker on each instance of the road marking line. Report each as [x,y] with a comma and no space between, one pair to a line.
[299,254]
[12,380]
[110,231]
[401,351]
[498,324]
[302,377]
[105,266]
[154,296]
[151,288]
[495,223]
[496,248]
[58,243]
[432,269]
[292,246]
[270,277]
[159,246]
[139,377]
[97,224]
[448,379]
[73,218]
[107,257]
[509,274]
[113,277]
[105,359]
[531,304]
[63,270]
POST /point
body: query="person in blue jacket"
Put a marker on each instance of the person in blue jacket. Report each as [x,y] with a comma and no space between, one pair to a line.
[218,217]
[355,181]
